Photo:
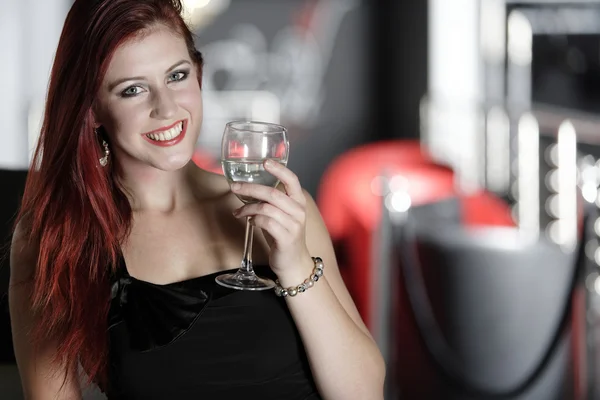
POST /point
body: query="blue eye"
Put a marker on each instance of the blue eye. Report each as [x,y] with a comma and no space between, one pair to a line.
[131,91]
[178,76]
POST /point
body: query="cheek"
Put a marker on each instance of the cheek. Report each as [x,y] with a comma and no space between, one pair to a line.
[191,100]
[125,118]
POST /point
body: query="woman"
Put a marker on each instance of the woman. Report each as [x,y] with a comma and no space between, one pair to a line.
[120,236]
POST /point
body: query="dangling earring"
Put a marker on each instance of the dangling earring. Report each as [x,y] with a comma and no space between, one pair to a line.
[104,160]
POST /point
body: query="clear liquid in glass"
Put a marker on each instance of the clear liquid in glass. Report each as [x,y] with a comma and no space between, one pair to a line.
[249,171]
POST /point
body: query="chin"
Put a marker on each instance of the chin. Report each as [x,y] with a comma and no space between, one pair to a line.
[174,163]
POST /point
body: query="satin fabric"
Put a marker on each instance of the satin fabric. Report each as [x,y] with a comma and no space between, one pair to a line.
[197,340]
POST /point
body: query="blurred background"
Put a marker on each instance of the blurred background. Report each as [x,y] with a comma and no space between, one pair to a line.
[452,147]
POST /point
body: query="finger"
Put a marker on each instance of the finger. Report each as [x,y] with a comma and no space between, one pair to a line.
[268,210]
[272,227]
[288,178]
[270,195]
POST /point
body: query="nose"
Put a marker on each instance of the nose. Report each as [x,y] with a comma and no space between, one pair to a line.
[164,105]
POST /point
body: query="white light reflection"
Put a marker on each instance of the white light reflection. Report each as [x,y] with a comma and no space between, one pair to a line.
[265,146]
[265,107]
[398,201]
[493,29]
[552,181]
[597,285]
[552,206]
[589,192]
[567,184]
[528,176]
[498,150]
[553,231]
[520,38]
[597,226]
[199,13]
[551,155]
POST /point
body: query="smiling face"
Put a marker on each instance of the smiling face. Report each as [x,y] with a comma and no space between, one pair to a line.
[150,103]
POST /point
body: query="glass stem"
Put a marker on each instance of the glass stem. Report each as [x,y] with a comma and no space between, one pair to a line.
[246,266]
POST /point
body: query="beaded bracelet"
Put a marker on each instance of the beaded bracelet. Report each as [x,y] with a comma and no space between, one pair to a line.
[304,286]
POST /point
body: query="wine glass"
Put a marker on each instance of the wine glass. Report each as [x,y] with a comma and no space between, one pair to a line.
[245,147]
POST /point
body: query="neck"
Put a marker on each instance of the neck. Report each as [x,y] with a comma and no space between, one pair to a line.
[154,190]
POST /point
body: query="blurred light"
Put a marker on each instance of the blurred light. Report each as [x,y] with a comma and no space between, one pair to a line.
[520,38]
[597,226]
[193,5]
[552,181]
[567,184]
[399,201]
[493,30]
[399,182]
[589,174]
[199,13]
[589,192]
[498,149]
[265,107]
[588,168]
[598,199]
[551,206]
[597,285]
[265,146]
[590,248]
[528,174]
[551,155]
[597,256]
[553,231]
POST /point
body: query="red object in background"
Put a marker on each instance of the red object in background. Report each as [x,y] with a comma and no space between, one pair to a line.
[207,161]
[351,207]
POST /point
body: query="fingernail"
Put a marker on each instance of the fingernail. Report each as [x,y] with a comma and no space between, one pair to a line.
[236,212]
[235,186]
[269,163]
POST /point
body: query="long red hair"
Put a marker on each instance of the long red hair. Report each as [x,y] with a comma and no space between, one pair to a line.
[73,209]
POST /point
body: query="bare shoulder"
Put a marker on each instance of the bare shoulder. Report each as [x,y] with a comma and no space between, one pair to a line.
[23,254]
[317,235]
[313,214]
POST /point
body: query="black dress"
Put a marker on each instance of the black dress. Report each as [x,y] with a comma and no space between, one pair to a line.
[197,340]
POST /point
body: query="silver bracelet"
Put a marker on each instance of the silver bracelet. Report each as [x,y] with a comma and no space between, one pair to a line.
[304,286]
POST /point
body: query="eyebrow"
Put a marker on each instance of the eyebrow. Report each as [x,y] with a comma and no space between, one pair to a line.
[141,78]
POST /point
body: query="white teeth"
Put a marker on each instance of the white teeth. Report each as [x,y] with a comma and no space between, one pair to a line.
[167,135]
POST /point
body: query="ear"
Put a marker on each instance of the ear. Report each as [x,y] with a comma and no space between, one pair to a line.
[95,117]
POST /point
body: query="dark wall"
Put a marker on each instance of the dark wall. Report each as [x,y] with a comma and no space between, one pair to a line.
[13,183]
[400,55]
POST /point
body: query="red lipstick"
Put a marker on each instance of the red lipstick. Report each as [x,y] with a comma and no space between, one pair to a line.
[171,142]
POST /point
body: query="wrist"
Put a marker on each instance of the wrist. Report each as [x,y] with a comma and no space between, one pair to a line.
[297,273]
[292,285]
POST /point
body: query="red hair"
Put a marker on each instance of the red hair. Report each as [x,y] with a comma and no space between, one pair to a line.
[73,208]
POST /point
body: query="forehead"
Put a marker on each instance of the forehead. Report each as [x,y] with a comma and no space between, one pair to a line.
[147,54]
